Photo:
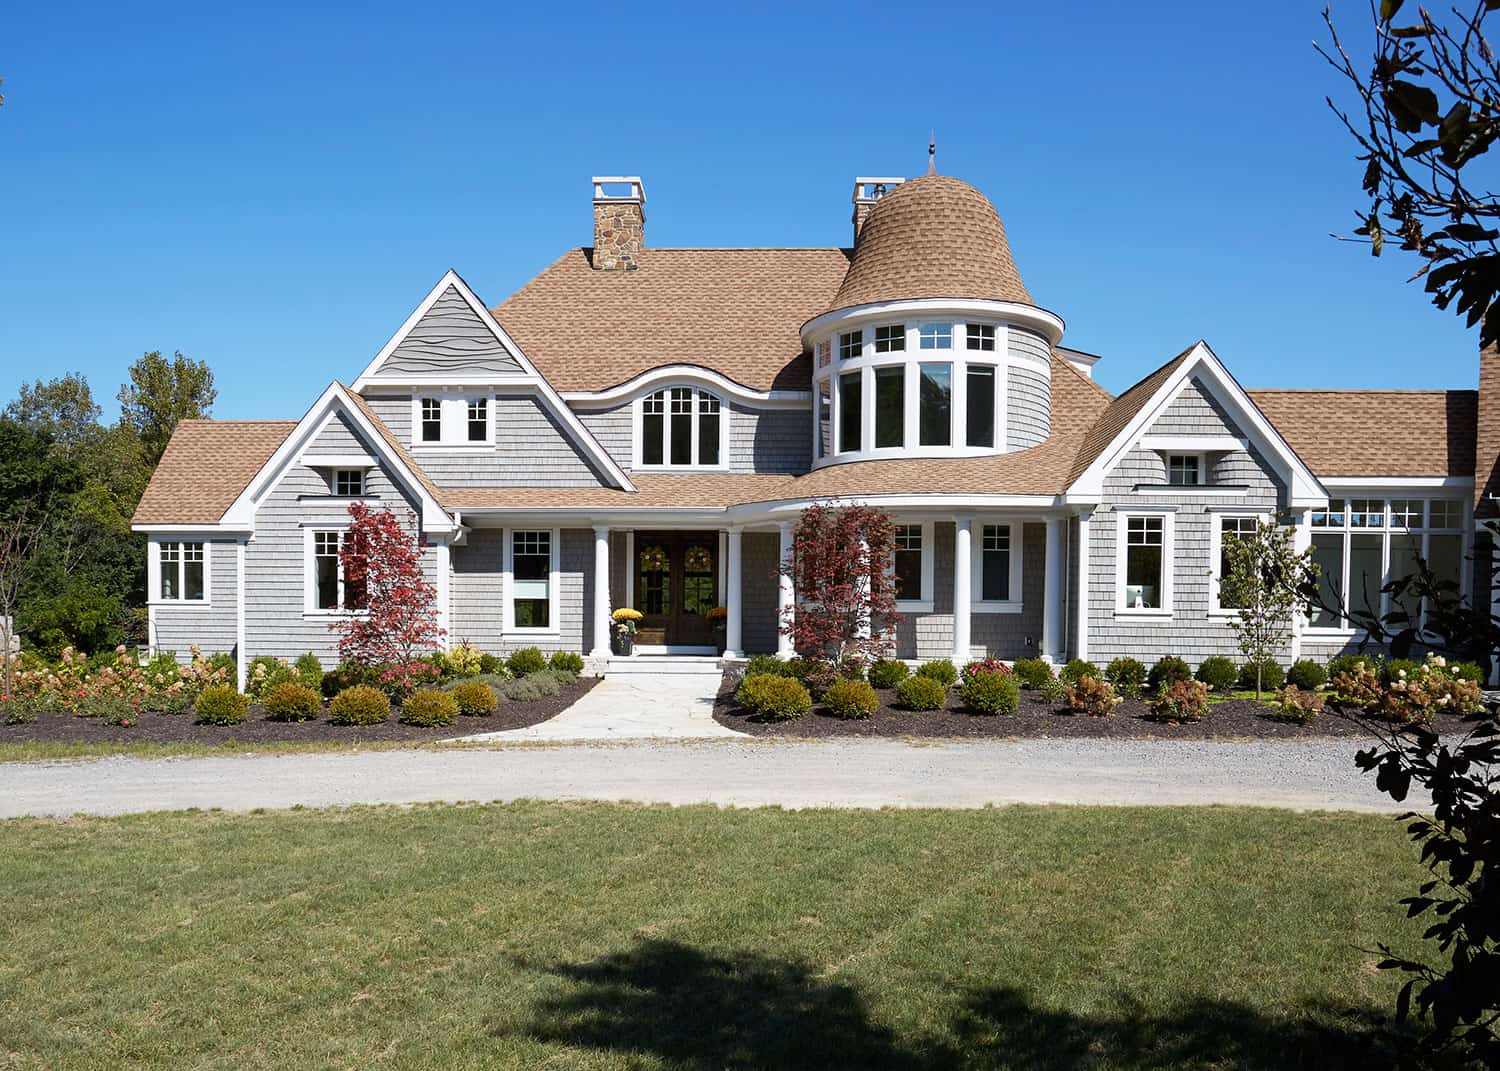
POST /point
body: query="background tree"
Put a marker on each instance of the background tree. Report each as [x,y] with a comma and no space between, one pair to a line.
[63,407]
[160,394]
[841,569]
[1264,583]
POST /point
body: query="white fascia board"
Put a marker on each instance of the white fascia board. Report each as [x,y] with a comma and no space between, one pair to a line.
[331,402]
[685,373]
[1038,319]
[208,531]
[1303,488]
[337,461]
[1195,444]
[1399,483]
[554,403]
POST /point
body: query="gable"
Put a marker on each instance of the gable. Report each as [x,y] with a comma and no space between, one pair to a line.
[449,340]
[1195,412]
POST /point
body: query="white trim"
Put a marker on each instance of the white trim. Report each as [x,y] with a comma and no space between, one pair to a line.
[552,400]
[1303,488]
[508,582]
[443,570]
[1397,484]
[928,570]
[310,607]
[1195,444]
[647,381]
[977,603]
[600,610]
[1046,323]
[1168,562]
[1081,623]
[337,461]
[153,575]
[630,566]
[1200,467]
[184,531]
[1054,590]
[1189,490]
[241,656]
[963,586]
[734,602]
[1215,555]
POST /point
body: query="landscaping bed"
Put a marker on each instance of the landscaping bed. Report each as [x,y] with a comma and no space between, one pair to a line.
[257,728]
[1234,718]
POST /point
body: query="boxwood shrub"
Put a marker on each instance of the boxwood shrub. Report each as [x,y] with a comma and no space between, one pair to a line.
[851,699]
[1126,676]
[991,693]
[360,704]
[219,704]
[291,701]
[774,697]
[1272,676]
[887,673]
[1033,672]
[1219,673]
[1307,675]
[475,698]
[429,708]
[1077,669]
[567,662]
[922,692]
[765,665]
[526,660]
[941,670]
[1166,670]
[309,670]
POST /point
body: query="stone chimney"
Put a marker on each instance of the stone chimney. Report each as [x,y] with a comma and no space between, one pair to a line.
[1487,435]
[866,192]
[619,222]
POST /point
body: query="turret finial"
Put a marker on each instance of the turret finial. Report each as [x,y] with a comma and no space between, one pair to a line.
[932,154]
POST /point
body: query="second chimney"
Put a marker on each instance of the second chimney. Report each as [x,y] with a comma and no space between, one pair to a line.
[866,192]
[619,222]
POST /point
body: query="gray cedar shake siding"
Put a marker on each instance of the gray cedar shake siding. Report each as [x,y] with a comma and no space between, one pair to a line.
[530,450]
[178,626]
[761,440]
[450,338]
[1028,390]
[478,593]
[1192,631]
[276,620]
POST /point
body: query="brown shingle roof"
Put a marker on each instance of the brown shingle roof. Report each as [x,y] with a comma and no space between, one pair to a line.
[1120,412]
[653,491]
[395,444]
[206,466]
[736,311]
[932,237]
[1376,432]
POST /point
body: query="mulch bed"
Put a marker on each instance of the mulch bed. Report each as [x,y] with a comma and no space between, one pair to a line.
[257,728]
[1033,719]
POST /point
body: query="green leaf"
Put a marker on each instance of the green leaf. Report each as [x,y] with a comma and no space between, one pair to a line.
[1388,9]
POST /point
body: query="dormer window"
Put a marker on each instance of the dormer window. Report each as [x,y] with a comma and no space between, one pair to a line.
[349,483]
[1184,470]
[981,337]
[479,419]
[935,336]
[432,420]
[452,420]
[890,338]
[681,427]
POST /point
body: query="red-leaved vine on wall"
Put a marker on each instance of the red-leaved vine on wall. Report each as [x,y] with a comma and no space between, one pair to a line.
[840,566]
[383,578]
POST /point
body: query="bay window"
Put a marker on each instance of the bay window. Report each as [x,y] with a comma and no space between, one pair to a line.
[1143,572]
[681,427]
[181,569]
[935,405]
[890,406]
[851,345]
[531,568]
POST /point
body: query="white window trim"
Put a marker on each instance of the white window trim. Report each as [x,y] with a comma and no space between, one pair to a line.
[310,607]
[153,575]
[923,605]
[1122,521]
[978,604]
[638,437]
[1215,555]
[508,626]
[1202,459]
[454,412]
[364,482]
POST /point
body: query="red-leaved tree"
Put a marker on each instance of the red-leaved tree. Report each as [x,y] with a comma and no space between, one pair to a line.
[840,567]
[383,578]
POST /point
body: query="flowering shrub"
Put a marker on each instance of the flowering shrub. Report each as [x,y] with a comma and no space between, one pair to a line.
[1358,685]
[1293,704]
[1419,694]
[265,673]
[1181,700]
[1091,696]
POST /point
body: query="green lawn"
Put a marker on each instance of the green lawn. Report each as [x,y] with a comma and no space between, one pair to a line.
[592,936]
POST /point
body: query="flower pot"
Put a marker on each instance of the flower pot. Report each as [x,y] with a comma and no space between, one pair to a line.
[624,644]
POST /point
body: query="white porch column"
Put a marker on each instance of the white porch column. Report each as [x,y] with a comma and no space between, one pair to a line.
[601,592]
[1081,623]
[1052,597]
[786,596]
[733,602]
[963,525]
[1301,541]
[442,573]
[866,626]
[241,656]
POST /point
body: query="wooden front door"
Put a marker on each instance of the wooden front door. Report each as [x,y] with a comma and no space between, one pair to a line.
[676,578]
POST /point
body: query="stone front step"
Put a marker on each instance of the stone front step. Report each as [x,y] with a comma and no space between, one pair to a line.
[658,665]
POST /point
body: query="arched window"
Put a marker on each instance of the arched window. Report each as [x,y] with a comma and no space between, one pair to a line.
[681,427]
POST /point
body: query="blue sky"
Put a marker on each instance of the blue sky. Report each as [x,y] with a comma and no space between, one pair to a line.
[273,191]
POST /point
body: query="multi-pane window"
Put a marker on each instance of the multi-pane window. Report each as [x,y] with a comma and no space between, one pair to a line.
[1231,528]
[1145,542]
[824,440]
[935,405]
[935,336]
[681,427]
[181,566]
[531,572]
[851,345]
[825,354]
[980,417]
[349,483]
[890,407]
[981,337]
[1360,545]
[330,589]
[994,563]
[851,416]
[479,419]
[890,338]
[1184,469]
[432,420]
[908,561]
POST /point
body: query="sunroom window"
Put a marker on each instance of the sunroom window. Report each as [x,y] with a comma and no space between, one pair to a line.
[824,440]
[681,427]
[181,566]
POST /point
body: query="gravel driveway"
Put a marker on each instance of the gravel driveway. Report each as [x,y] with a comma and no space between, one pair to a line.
[1304,775]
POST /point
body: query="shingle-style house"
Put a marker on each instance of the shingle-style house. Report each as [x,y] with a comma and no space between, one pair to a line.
[641,427]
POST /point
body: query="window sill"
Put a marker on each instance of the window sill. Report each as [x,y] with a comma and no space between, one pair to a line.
[1192,489]
[1011,607]
[449,448]
[183,604]
[517,631]
[333,615]
[1147,615]
[1330,633]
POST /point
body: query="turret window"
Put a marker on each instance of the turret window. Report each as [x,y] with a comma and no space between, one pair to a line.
[851,345]
[890,338]
[681,427]
[980,417]
[850,414]
[935,336]
[981,337]
[935,417]
[890,407]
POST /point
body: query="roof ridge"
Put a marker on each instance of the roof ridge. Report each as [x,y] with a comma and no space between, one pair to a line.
[1360,390]
[1090,380]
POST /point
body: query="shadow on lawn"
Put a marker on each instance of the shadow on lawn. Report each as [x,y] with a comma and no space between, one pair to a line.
[691,1009]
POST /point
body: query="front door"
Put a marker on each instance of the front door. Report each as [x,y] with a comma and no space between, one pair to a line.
[676,577]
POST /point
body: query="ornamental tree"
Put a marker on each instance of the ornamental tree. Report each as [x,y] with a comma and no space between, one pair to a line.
[841,569]
[1263,583]
[397,618]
